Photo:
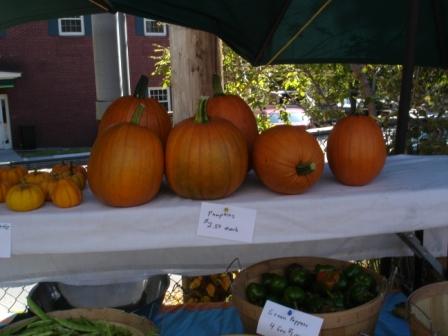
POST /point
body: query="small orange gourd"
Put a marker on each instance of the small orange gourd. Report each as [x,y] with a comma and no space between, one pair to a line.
[66,193]
[24,197]
[13,174]
[287,159]
[4,187]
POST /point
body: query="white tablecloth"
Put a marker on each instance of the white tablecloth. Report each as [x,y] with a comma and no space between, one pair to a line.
[94,242]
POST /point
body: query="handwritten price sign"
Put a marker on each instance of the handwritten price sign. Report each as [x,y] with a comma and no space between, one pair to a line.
[5,240]
[278,320]
[226,222]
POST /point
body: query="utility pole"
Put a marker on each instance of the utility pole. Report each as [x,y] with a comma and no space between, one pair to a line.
[195,57]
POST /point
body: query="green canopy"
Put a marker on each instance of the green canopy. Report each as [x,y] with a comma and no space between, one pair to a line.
[281,31]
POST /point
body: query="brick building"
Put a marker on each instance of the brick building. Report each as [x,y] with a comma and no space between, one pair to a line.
[47,92]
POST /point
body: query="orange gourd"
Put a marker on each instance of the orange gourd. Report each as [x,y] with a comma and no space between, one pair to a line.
[24,197]
[36,177]
[65,167]
[47,185]
[356,150]
[126,164]
[66,193]
[13,174]
[287,159]
[234,109]
[154,116]
[4,188]
[206,158]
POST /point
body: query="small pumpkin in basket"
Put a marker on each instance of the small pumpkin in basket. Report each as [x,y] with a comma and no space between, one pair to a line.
[287,159]
[356,150]
[24,197]
[206,158]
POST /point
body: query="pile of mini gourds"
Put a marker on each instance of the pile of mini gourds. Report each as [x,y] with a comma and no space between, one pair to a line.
[208,155]
[24,190]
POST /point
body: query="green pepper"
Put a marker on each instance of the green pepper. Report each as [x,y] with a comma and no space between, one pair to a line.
[299,277]
[342,284]
[313,303]
[352,271]
[365,279]
[294,296]
[278,284]
[337,301]
[266,279]
[292,267]
[357,295]
[256,293]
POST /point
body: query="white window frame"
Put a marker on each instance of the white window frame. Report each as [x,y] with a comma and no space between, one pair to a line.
[148,33]
[81,33]
[168,94]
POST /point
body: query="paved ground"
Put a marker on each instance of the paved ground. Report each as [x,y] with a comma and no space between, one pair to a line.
[8,155]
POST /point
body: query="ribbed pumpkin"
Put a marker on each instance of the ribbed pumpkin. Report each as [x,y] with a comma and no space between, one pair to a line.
[356,150]
[287,159]
[126,164]
[206,158]
[13,174]
[154,117]
[66,194]
[24,197]
[234,109]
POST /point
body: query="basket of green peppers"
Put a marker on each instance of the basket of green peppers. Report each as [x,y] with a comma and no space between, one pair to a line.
[320,286]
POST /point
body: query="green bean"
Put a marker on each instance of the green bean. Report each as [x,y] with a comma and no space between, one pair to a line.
[36,309]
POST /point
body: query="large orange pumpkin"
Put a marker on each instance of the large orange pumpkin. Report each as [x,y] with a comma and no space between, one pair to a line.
[234,109]
[206,158]
[125,167]
[154,117]
[356,150]
[287,159]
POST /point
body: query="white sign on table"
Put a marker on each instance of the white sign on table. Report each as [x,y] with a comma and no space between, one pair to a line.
[226,222]
[278,320]
[5,240]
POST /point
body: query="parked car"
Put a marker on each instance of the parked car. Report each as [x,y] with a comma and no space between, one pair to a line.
[296,115]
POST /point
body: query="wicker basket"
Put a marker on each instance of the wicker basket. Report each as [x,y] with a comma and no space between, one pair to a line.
[137,325]
[361,319]
[428,310]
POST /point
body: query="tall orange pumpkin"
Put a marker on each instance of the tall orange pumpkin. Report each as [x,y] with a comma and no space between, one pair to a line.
[234,109]
[154,117]
[287,159]
[206,158]
[356,150]
[125,167]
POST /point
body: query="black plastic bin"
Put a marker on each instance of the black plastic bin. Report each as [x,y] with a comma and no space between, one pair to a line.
[27,136]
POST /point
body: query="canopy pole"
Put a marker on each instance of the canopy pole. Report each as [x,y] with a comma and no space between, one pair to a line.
[406,79]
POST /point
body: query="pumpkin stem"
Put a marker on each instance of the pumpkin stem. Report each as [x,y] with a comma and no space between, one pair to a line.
[201,116]
[217,87]
[305,168]
[141,89]
[137,115]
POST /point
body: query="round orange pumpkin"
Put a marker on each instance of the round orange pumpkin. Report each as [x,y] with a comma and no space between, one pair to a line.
[66,194]
[24,197]
[287,159]
[154,117]
[234,109]
[126,164]
[206,158]
[356,151]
